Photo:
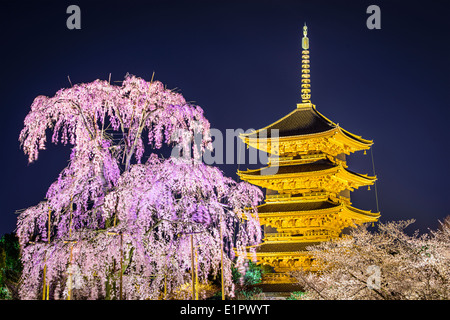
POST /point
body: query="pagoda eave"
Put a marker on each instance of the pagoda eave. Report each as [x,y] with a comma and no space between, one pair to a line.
[342,208]
[337,133]
[334,143]
[334,179]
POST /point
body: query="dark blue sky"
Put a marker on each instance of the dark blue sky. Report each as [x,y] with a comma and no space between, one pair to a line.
[240,61]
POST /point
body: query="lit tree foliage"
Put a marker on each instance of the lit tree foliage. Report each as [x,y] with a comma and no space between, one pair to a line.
[10,266]
[118,224]
[410,267]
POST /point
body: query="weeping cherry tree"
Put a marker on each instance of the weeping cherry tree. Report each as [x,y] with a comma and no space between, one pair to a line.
[120,223]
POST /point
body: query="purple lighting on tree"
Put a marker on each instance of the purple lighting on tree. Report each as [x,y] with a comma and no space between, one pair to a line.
[114,218]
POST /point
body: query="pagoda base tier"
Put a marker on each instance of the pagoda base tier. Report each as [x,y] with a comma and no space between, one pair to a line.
[278,284]
[277,278]
[286,288]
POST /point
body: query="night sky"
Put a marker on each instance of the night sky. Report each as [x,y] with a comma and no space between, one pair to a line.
[240,61]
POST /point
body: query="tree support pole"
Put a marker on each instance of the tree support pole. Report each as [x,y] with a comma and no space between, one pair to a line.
[221,259]
[69,291]
[121,262]
[46,286]
[196,274]
[121,266]
[192,267]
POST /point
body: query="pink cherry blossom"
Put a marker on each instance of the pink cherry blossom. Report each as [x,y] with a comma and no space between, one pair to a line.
[117,221]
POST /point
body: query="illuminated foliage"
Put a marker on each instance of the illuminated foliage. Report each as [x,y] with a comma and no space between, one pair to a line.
[10,266]
[388,265]
[113,225]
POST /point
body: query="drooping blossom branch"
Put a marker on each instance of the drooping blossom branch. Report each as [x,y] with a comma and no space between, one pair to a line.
[107,212]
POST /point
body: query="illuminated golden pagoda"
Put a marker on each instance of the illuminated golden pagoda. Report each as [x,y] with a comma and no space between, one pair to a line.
[307,183]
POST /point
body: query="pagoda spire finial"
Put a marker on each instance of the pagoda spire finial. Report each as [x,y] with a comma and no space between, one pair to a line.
[306,82]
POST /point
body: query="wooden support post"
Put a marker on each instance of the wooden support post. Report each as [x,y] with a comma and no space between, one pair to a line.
[69,290]
[121,267]
[45,285]
[165,286]
[48,227]
[192,267]
[121,263]
[196,274]
[221,259]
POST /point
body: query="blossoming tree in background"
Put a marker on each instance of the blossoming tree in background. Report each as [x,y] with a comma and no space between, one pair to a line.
[115,226]
[387,265]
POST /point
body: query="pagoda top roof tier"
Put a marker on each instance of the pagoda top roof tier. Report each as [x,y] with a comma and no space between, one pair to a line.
[306,123]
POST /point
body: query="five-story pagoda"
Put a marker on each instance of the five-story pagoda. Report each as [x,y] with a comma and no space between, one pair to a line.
[307,183]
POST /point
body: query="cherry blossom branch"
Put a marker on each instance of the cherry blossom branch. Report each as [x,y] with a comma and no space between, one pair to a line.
[91,134]
[138,136]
